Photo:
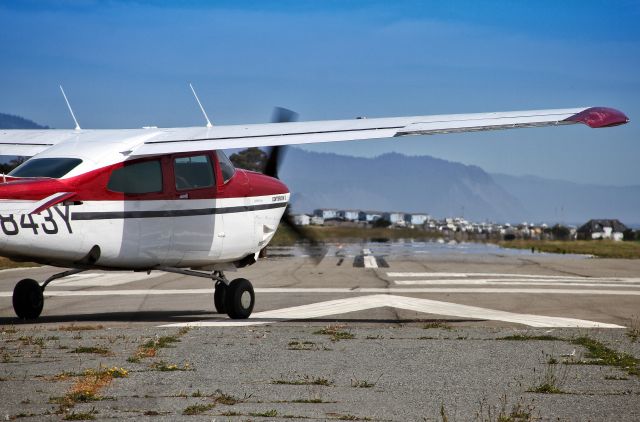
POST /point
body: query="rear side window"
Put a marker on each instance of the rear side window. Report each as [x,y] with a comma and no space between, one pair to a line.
[144,177]
[46,167]
[193,172]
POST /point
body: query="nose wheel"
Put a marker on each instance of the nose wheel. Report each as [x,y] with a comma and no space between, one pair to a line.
[236,299]
[28,299]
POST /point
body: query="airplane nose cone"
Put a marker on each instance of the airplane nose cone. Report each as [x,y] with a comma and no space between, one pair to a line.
[265,185]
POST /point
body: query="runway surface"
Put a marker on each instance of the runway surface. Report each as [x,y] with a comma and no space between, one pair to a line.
[405,315]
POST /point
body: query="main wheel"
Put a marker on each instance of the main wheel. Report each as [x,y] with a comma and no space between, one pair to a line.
[240,299]
[219,297]
[28,299]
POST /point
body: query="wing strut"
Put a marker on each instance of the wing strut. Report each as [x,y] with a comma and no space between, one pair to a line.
[70,109]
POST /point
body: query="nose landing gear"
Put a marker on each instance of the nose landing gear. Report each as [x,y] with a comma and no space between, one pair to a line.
[28,299]
[28,295]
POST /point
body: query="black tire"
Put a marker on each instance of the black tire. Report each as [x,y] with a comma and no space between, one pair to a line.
[219,297]
[240,299]
[28,299]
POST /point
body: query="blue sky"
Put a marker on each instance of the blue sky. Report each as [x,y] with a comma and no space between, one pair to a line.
[127,64]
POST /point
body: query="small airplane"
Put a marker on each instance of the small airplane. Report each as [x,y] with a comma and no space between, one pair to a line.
[169,199]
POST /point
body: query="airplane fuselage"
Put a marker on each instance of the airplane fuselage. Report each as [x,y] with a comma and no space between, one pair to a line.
[211,219]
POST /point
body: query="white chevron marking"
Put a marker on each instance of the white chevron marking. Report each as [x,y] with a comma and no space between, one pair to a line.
[342,306]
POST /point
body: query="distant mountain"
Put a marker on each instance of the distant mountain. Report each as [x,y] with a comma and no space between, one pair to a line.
[8,121]
[395,182]
[557,200]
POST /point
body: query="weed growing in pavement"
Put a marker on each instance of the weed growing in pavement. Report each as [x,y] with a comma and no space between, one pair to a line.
[551,379]
[437,325]
[231,413]
[599,354]
[197,409]
[149,348]
[81,416]
[167,367]
[305,380]
[527,337]
[616,378]
[517,412]
[227,399]
[97,350]
[267,414]
[32,341]
[356,383]
[302,345]
[88,386]
[633,330]
[335,333]
[73,327]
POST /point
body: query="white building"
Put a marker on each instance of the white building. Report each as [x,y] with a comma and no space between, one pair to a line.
[416,219]
[301,219]
[348,215]
[326,213]
[394,217]
[369,216]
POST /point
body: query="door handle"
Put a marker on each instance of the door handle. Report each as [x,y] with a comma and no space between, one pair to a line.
[183,196]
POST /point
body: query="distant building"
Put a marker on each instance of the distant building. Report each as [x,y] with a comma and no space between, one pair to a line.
[369,216]
[602,229]
[348,215]
[316,221]
[416,219]
[326,213]
[394,217]
[301,219]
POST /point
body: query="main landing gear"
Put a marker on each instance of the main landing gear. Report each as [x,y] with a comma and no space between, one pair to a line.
[235,298]
[28,295]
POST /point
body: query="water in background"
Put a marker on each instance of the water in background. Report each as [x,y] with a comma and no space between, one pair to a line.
[409,248]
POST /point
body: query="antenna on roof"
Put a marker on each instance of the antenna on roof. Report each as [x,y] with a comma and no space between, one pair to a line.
[200,104]
[70,109]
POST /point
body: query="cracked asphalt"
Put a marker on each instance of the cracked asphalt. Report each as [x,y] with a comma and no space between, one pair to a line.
[379,363]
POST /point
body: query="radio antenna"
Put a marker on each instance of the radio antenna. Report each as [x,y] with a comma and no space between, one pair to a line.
[70,109]
[200,104]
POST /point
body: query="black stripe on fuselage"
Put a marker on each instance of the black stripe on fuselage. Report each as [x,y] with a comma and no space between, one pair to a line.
[118,215]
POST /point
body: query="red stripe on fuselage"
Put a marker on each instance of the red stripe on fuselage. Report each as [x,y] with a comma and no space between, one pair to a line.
[92,186]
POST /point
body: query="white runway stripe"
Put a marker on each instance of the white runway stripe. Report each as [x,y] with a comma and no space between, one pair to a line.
[342,306]
[513,282]
[466,275]
[328,290]
[103,279]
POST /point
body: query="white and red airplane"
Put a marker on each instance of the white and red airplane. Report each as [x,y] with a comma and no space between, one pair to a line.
[170,200]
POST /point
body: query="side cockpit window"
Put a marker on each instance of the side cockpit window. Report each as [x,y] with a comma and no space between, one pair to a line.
[45,167]
[138,178]
[226,166]
[195,172]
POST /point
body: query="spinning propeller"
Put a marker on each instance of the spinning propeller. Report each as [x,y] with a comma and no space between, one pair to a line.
[276,155]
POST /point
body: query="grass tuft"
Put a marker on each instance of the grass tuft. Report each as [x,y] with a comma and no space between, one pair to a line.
[527,337]
[305,380]
[335,332]
[197,409]
[602,355]
[97,350]
[272,413]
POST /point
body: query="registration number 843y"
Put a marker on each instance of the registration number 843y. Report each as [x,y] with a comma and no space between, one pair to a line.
[44,223]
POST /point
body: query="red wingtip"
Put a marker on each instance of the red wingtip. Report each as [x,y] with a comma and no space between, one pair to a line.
[599,117]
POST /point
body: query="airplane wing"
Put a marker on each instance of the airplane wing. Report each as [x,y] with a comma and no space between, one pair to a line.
[29,142]
[264,135]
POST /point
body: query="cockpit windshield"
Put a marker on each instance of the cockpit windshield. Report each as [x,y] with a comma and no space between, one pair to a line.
[45,167]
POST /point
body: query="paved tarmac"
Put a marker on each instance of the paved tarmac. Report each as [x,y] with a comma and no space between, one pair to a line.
[345,339]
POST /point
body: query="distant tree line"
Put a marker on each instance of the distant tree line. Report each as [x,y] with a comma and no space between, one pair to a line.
[11,164]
